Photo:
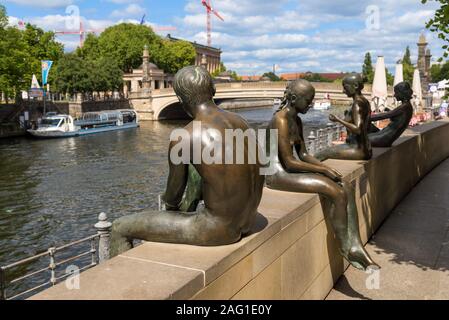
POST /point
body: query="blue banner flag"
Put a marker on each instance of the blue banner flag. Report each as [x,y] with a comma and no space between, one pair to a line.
[46,66]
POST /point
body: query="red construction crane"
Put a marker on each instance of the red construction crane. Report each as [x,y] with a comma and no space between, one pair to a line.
[209,10]
[82,32]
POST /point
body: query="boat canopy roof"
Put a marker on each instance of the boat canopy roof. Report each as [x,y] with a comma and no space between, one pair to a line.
[110,115]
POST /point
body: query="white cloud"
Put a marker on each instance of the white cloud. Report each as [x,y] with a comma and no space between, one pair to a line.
[131,10]
[44,4]
[316,35]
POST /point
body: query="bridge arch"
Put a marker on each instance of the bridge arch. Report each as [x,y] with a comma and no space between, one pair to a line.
[172,110]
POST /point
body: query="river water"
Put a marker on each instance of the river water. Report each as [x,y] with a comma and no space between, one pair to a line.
[51,191]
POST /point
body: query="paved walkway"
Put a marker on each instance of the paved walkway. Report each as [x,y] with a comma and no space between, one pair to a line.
[412,248]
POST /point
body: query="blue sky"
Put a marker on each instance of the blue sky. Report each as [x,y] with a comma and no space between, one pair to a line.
[295,35]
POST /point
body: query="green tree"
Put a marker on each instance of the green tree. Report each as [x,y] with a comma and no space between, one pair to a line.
[14,63]
[367,69]
[124,43]
[220,69]
[315,77]
[440,72]
[439,24]
[71,75]
[21,52]
[272,76]
[390,77]
[90,49]
[172,56]
[3,17]
[435,73]
[408,68]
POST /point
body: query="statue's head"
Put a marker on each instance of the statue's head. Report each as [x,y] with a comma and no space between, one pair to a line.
[403,91]
[194,86]
[300,94]
[353,84]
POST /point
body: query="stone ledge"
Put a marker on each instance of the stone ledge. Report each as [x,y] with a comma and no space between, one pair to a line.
[291,253]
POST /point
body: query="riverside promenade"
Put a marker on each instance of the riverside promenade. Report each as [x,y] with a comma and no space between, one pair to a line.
[291,252]
[412,248]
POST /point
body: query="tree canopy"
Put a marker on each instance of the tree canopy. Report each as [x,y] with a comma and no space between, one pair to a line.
[3,17]
[440,24]
[272,76]
[408,68]
[124,44]
[439,72]
[21,52]
[367,69]
[97,66]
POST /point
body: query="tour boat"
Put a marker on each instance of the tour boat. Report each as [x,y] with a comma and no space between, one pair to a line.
[322,105]
[62,126]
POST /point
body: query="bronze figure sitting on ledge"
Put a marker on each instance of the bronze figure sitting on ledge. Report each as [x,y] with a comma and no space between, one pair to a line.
[303,173]
[399,117]
[231,192]
[357,121]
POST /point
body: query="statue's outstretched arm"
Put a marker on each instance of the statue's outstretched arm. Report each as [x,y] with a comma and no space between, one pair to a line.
[357,126]
[386,115]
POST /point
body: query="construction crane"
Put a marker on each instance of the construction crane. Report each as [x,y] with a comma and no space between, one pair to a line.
[82,32]
[209,10]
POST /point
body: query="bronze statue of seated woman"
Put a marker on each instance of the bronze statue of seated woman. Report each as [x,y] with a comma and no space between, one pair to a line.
[297,171]
[399,117]
[357,121]
[231,192]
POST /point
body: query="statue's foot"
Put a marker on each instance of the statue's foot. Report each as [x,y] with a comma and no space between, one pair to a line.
[359,258]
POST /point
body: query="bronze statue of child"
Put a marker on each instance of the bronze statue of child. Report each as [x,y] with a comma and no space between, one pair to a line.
[231,192]
[297,171]
[400,118]
[357,122]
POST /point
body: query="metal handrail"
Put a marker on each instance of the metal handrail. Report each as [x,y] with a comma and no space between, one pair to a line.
[103,229]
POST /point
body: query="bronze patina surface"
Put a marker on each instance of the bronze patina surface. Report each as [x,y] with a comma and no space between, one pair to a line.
[231,192]
[357,122]
[298,171]
[399,117]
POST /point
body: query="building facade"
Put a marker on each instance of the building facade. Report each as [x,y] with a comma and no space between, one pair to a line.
[146,78]
[213,55]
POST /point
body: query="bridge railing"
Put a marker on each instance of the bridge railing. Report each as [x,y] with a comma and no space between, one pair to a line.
[319,86]
[10,283]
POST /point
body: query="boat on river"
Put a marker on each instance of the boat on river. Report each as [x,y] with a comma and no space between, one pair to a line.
[322,105]
[63,126]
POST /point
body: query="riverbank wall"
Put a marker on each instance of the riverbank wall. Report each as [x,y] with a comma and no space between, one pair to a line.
[291,252]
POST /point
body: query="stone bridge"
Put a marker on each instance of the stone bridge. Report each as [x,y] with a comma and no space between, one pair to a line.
[163,104]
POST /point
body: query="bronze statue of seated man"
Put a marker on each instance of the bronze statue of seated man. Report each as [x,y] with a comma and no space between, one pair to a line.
[399,117]
[297,171]
[231,192]
[357,121]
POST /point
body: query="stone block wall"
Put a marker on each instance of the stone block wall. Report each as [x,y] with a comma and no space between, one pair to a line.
[291,252]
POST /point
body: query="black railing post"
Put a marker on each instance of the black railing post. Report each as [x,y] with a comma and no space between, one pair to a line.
[2,284]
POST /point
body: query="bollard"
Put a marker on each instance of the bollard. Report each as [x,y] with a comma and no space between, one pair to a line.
[320,139]
[104,231]
[312,141]
[2,284]
[52,266]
